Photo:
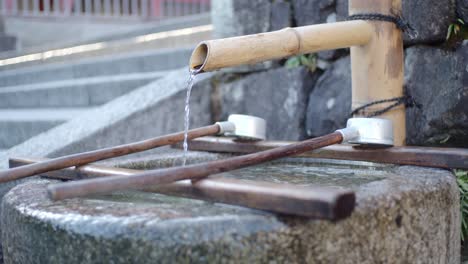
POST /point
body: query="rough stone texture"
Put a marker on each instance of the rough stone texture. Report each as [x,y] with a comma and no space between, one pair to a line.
[278,95]
[235,18]
[8,42]
[74,93]
[330,100]
[403,215]
[14,132]
[462,9]
[280,15]
[136,62]
[331,55]
[309,12]
[18,125]
[430,18]
[341,9]
[438,80]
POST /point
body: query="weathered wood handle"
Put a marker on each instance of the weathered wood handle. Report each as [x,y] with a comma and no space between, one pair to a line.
[446,158]
[163,176]
[308,201]
[101,154]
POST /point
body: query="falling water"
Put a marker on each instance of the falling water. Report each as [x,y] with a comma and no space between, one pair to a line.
[187,115]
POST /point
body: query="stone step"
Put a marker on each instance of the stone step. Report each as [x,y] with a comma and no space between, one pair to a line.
[74,93]
[152,110]
[18,125]
[134,62]
[156,41]
[77,33]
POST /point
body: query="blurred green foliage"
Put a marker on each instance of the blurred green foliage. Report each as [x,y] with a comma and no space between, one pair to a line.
[309,61]
[462,180]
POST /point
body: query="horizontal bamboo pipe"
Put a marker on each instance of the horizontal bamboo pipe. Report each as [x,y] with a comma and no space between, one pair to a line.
[163,176]
[101,154]
[317,202]
[216,54]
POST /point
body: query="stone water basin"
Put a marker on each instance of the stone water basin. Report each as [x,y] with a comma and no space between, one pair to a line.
[404,214]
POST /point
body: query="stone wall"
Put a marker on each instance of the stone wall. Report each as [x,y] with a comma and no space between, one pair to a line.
[436,74]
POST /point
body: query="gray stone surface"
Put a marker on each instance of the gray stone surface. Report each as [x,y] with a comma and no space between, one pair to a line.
[74,93]
[278,95]
[331,55]
[19,125]
[162,158]
[8,42]
[462,9]
[152,110]
[330,101]
[13,133]
[308,12]
[281,15]
[403,215]
[438,80]
[135,62]
[430,18]
[235,18]
[341,9]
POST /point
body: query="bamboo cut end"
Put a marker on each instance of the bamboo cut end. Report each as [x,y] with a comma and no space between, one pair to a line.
[199,58]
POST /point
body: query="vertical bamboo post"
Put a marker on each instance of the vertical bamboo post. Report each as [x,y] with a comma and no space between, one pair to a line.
[377,67]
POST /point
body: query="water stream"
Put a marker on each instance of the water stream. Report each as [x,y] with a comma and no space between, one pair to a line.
[187,115]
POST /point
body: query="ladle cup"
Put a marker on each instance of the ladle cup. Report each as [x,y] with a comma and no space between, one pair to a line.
[242,126]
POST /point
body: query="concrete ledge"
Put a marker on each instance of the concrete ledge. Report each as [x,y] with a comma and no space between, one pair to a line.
[134,62]
[74,93]
[19,125]
[14,132]
[403,215]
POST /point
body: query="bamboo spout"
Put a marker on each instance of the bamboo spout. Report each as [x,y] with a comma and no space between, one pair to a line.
[216,54]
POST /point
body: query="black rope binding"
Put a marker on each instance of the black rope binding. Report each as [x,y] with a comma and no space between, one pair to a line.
[395,19]
[407,100]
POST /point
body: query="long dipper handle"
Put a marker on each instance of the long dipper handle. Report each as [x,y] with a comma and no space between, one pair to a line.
[162,176]
[101,154]
[330,203]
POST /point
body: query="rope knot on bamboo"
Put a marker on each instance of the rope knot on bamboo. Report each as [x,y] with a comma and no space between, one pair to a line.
[398,20]
[407,100]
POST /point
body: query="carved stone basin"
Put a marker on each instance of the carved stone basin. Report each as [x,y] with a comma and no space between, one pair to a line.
[404,214]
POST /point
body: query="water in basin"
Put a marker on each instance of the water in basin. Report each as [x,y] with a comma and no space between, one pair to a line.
[304,173]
